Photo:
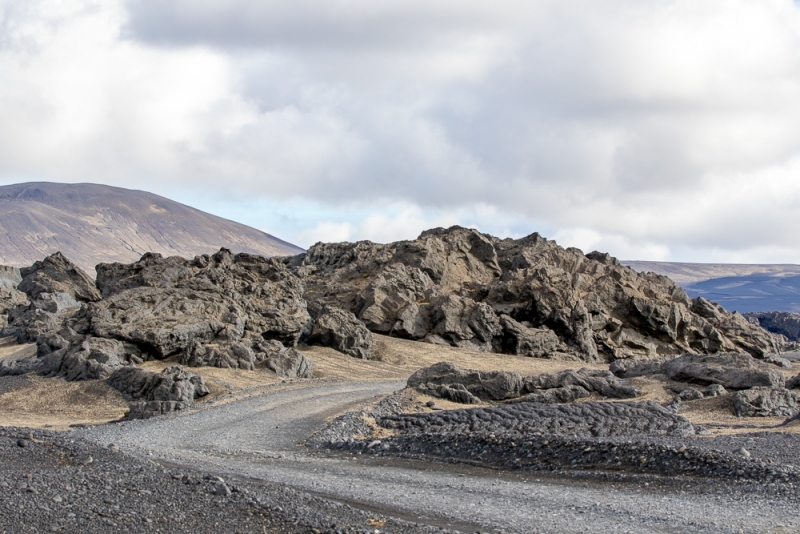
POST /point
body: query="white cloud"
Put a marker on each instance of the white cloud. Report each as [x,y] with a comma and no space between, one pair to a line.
[659,129]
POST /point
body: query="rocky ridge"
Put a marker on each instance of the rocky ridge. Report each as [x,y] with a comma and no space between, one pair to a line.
[450,286]
[524,296]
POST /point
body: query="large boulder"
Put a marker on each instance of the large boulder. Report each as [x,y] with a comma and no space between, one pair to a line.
[56,274]
[88,358]
[766,402]
[490,385]
[730,370]
[289,363]
[172,389]
[524,340]
[341,330]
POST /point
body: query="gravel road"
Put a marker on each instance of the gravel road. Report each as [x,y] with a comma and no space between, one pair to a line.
[260,438]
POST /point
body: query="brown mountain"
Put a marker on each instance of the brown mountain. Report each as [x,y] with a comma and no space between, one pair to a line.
[91,223]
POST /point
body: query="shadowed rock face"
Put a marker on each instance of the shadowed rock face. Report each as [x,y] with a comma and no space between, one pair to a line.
[526,296]
[783,323]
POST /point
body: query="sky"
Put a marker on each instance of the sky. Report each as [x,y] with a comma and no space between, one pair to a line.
[651,129]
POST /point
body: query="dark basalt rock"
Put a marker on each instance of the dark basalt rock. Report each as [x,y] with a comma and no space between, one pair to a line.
[730,370]
[452,392]
[490,385]
[564,386]
[10,296]
[526,296]
[591,380]
[56,274]
[766,402]
[555,395]
[172,389]
[782,323]
[226,356]
[582,419]
[290,363]
[340,330]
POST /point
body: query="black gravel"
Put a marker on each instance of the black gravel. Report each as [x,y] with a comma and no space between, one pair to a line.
[541,437]
[52,482]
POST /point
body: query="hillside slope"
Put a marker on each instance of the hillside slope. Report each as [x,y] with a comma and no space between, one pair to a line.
[92,223]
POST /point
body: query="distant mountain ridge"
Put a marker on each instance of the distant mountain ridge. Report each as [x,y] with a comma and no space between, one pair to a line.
[92,223]
[740,287]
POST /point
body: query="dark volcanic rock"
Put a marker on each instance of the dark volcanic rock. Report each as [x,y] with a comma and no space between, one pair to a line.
[447,380]
[163,305]
[88,358]
[783,323]
[524,418]
[491,385]
[730,370]
[156,393]
[227,356]
[290,363]
[56,274]
[339,329]
[766,402]
[452,392]
[526,296]
[591,380]
[10,296]
[555,395]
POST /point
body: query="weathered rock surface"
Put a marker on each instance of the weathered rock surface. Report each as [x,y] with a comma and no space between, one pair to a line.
[53,287]
[766,402]
[226,356]
[339,329]
[591,380]
[10,296]
[490,385]
[555,395]
[730,370]
[447,380]
[526,296]
[524,418]
[172,389]
[783,323]
[289,363]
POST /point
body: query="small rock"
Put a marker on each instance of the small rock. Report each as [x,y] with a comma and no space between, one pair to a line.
[24,443]
[374,444]
[743,452]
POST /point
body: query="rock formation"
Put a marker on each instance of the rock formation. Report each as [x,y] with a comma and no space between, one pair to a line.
[447,380]
[782,323]
[526,296]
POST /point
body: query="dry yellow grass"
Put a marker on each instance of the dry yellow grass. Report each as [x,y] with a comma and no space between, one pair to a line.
[54,403]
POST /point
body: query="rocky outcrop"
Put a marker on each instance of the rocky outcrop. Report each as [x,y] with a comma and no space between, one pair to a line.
[490,385]
[54,288]
[152,394]
[526,296]
[10,296]
[730,370]
[339,329]
[782,323]
[447,380]
[766,402]
[290,363]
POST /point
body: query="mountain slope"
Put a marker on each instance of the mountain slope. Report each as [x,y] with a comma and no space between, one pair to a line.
[92,223]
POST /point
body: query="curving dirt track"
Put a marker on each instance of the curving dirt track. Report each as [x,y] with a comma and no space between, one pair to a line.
[259,435]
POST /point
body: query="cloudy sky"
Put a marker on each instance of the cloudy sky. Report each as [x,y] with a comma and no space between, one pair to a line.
[652,129]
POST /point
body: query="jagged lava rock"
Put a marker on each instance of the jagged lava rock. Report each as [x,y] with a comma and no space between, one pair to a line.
[766,402]
[339,329]
[783,323]
[491,385]
[730,370]
[525,296]
[172,389]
